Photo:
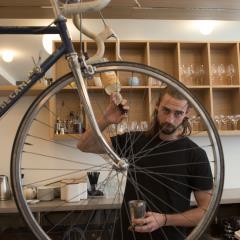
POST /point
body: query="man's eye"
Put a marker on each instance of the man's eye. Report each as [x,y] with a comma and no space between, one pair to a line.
[178,114]
[166,110]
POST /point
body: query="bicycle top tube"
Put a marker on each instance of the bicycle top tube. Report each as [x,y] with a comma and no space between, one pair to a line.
[32,30]
[39,71]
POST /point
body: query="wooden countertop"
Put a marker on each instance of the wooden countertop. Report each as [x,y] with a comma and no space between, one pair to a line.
[56,205]
[229,196]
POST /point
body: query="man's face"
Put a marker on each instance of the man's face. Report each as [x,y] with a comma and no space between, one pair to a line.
[171,112]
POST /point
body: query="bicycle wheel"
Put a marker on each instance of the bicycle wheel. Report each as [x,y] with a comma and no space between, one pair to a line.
[102,216]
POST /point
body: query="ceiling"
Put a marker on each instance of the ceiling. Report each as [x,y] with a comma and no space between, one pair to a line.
[139,9]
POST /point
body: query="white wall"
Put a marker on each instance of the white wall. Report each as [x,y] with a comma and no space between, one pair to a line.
[65,157]
[168,30]
[137,30]
[231,155]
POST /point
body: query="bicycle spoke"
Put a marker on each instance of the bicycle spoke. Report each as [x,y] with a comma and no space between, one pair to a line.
[62,175]
[51,141]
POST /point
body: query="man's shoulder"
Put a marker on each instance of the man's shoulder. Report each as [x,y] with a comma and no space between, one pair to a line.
[187,141]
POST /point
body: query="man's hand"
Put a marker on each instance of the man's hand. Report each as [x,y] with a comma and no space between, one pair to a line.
[151,222]
[112,114]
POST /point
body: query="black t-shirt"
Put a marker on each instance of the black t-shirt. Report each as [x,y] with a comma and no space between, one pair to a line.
[163,173]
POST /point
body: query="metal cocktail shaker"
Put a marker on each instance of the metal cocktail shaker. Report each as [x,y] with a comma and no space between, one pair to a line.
[5,192]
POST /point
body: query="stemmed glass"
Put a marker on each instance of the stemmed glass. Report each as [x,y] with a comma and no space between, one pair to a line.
[200,72]
[231,72]
[223,122]
[143,126]
[121,127]
[190,73]
[134,126]
[214,72]
[217,121]
[234,120]
[183,71]
[221,73]
[195,123]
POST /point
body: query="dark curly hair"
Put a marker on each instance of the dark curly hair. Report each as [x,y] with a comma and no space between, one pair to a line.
[154,126]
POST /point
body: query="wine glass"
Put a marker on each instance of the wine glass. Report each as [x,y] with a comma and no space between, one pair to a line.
[234,120]
[230,73]
[221,73]
[200,72]
[183,72]
[217,121]
[214,72]
[223,122]
[134,126]
[195,123]
[143,126]
[190,73]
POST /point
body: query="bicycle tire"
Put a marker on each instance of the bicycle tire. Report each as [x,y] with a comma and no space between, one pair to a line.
[22,133]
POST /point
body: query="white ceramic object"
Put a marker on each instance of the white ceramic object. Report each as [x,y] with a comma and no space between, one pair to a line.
[29,193]
[74,192]
[97,81]
[63,185]
[133,81]
[45,193]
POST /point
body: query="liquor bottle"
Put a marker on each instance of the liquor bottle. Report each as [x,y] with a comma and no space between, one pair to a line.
[111,85]
[110,82]
[82,119]
[58,126]
[70,122]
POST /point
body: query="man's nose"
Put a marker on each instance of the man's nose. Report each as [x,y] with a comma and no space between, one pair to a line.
[170,118]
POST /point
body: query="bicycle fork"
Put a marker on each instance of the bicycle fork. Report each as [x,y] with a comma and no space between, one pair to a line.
[74,65]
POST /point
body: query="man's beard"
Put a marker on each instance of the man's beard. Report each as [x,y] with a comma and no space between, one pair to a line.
[167,128]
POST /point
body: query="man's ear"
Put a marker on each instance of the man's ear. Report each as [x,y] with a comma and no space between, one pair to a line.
[188,110]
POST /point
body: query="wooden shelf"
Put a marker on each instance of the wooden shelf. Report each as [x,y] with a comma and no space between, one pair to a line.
[61,137]
[7,90]
[122,87]
[221,133]
[198,87]
[225,86]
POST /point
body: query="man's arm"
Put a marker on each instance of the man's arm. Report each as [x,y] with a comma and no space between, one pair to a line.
[88,141]
[112,115]
[188,218]
[191,217]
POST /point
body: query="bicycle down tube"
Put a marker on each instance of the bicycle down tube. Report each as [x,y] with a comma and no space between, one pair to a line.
[65,48]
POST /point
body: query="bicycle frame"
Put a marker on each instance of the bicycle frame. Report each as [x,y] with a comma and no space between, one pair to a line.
[66,48]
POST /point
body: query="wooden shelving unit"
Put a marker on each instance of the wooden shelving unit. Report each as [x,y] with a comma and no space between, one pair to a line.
[6,90]
[219,96]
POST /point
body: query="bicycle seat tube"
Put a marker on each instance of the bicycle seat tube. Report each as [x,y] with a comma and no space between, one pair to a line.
[74,65]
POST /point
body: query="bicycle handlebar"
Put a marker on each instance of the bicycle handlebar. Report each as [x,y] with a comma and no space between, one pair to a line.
[84,7]
[99,38]
[76,8]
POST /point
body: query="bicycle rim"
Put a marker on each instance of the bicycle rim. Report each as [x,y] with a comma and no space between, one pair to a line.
[26,143]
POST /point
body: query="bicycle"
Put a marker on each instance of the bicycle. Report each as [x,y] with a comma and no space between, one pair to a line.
[25,141]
